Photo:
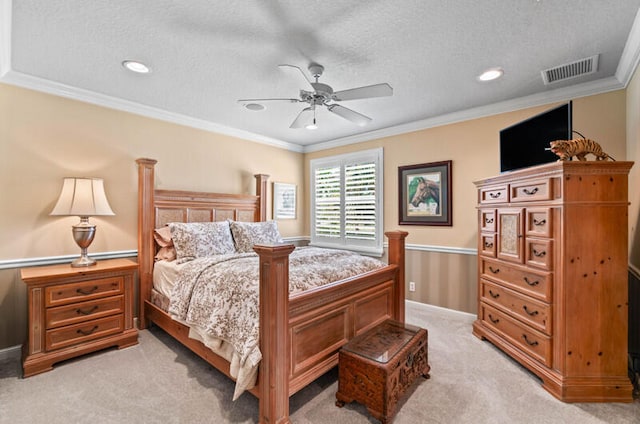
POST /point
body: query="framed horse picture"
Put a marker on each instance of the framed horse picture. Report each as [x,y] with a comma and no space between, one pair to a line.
[424,194]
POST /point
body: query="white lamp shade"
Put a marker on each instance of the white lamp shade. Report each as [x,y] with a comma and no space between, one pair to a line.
[82,197]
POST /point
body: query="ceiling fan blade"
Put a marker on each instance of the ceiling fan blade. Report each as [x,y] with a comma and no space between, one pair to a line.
[349,115]
[294,70]
[376,90]
[245,101]
[305,116]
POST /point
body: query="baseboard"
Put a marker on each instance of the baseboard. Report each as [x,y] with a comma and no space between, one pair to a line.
[10,353]
[427,307]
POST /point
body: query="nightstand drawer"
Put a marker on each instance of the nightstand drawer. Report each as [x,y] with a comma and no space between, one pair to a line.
[84,311]
[86,290]
[74,334]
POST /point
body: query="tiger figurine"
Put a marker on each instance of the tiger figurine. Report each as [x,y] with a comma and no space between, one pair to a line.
[580,148]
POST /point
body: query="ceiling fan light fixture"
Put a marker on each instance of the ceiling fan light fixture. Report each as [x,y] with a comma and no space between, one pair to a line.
[491,74]
[312,126]
[256,107]
[135,66]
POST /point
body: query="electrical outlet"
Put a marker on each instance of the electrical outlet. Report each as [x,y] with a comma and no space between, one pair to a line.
[412,286]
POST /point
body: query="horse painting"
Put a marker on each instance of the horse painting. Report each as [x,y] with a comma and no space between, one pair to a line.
[424,190]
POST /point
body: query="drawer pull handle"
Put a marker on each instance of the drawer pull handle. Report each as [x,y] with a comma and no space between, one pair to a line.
[86,311]
[539,222]
[495,195]
[530,343]
[531,283]
[494,295]
[494,270]
[530,192]
[539,254]
[87,332]
[495,321]
[488,221]
[86,292]
[532,313]
[488,245]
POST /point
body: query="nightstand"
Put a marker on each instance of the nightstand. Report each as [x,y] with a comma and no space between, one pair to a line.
[74,311]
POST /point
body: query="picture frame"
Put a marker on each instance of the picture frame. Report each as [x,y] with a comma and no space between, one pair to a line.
[424,194]
[284,201]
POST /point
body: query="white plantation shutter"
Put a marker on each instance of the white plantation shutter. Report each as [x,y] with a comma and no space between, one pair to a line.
[346,201]
[327,195]
[360,201]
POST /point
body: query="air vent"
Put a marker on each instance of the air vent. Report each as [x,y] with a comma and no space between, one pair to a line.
[571,70]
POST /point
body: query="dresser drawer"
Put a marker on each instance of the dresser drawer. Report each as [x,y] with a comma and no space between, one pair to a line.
[495,194]
[530,341]
[488,245]
[488,220]
[79,333]
[532,312]
[539,253]
[538,222]
[86,290]
[531,191]
[523,280]
[84,311]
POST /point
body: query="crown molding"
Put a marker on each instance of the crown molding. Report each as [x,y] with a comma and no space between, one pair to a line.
[626,67]
[47,86]
[631,54]
[5,37]
[558,95]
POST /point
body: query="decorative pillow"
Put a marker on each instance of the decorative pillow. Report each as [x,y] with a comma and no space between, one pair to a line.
[166,254]
[199,239]
[162,236]
[246,234]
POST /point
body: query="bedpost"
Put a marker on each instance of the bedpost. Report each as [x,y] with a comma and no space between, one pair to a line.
[146,221]
[397,257]
[261,191]
[274,369]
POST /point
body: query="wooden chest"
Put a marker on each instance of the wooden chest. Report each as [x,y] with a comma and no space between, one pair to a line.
[377,367]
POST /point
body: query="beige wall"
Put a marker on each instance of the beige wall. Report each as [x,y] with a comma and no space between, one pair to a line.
[44,138]
[633,153]
[449,279]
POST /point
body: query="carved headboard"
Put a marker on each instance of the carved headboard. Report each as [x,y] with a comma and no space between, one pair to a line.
[159,207]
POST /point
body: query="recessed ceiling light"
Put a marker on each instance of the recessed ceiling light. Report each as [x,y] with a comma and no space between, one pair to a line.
[254,106]
[135,66]
[491,74]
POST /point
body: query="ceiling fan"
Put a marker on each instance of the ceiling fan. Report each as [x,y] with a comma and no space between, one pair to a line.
[319,94]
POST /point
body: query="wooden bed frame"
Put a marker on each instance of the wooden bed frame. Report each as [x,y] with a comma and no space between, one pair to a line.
[313,325]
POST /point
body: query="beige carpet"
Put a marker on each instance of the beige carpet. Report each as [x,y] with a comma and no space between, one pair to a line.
[158,381]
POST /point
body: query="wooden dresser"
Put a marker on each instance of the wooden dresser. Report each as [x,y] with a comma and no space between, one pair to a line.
[73,311]
[552,275]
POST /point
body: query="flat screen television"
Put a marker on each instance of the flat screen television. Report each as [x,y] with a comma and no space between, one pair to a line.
[523,144]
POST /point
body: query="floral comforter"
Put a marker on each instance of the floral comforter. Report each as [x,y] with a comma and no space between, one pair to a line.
[218,298]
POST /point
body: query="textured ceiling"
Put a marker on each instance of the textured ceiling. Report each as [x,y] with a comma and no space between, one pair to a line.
[207,54]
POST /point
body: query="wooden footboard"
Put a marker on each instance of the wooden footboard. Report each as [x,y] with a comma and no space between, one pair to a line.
[299,335]
[314,324]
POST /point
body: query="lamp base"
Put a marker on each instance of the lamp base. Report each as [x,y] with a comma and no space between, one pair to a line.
[83,234]
[83,261]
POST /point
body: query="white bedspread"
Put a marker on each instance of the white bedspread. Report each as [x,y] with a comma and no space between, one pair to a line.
[217,297]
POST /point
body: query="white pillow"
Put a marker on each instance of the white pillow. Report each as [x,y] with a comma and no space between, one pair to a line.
[246,234]
[200,239]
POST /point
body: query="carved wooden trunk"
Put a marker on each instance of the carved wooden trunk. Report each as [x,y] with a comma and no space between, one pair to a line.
[377,368]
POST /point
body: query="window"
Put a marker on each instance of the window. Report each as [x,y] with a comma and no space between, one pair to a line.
[346,201]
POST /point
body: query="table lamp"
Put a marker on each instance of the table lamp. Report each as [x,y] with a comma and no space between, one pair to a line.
[83,197]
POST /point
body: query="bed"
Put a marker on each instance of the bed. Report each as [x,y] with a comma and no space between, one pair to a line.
[312,324]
